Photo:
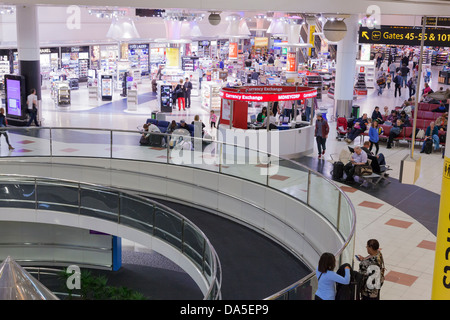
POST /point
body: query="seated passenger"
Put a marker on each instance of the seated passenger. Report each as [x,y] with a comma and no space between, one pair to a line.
[172,126]
[359,126]
[392,118]
[432,133]
[376,115]
[358,158]
[376,160]
[395,132]
[441,122]
[405,119]
[441,108]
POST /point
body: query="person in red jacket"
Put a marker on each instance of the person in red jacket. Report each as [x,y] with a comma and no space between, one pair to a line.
[321,133]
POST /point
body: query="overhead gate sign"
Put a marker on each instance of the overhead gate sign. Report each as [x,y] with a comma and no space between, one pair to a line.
[397,35]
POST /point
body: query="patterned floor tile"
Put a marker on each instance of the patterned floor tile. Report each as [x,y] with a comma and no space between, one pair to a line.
[400,278]
[425,244]
[25,141]
[279,177]
[370,204]
[398,223]
[348,189]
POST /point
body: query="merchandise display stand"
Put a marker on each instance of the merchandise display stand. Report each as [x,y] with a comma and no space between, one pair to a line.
[122,68]
[132,99]
[106,87]
[368,69]
[93,94]
[62,93]
[164,96]
[211,95]
[315,81]
[360,86]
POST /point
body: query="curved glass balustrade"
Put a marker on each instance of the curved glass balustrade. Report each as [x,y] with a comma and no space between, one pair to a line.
[249,163]
[113,205]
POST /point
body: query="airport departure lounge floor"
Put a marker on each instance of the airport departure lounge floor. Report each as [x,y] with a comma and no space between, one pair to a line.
[407,244]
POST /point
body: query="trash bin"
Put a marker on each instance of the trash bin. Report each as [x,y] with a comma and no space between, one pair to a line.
[355,112]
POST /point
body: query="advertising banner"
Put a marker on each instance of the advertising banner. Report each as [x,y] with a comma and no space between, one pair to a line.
[233,50]
[173,57]
[291,65]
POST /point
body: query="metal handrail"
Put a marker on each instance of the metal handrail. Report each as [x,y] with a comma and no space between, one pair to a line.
[215,267]
[222,143]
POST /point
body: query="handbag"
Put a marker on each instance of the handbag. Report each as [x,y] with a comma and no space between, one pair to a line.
[363,170]
[420,134]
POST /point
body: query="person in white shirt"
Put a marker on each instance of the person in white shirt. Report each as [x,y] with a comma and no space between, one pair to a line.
[277,62]
[32,107]
[272,120]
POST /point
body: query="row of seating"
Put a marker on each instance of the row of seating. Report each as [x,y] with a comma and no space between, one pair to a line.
[424,118]
[163,125]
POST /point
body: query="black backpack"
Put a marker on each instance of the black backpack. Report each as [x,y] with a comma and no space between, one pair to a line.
[428,146]
[338,170]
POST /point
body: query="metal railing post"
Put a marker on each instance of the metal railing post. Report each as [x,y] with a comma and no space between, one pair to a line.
[51,143]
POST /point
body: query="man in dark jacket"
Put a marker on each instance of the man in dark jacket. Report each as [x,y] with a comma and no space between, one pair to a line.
[398,84]
[376,115]
[359,126]
[321,133]
[187,92]
[396,129]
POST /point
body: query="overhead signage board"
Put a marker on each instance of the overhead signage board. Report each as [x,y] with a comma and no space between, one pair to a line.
[434,37]
[438,21]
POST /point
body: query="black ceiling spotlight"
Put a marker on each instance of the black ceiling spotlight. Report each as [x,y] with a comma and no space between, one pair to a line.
[214,18]
[149,12]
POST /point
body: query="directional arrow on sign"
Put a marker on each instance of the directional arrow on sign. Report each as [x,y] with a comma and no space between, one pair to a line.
[364,34]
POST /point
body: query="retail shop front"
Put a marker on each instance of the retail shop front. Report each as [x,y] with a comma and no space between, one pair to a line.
[286,137]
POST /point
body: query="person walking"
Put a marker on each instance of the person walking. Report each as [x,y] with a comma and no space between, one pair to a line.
[327,278]
[374,136]
[321,133]
[32,108]
[398,85]
[381,83]
[4,123]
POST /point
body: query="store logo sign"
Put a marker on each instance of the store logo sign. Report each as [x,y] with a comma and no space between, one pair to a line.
[73,21]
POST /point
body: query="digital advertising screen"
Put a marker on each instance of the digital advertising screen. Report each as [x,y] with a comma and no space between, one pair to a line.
[13,97]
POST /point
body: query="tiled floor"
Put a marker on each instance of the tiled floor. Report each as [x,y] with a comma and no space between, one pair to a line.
[407,246]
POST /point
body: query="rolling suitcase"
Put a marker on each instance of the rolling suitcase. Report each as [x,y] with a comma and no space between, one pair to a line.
[338,170]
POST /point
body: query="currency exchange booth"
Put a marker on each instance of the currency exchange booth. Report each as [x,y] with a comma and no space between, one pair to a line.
[292,139]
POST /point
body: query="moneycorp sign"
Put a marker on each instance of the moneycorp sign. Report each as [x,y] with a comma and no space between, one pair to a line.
[434,37]
[268,93]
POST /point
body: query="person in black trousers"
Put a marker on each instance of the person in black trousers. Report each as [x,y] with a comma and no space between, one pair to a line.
[398,84]
[3,123]
[187,92]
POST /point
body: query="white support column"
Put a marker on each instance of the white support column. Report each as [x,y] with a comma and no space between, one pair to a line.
[347,50]
[28,48]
